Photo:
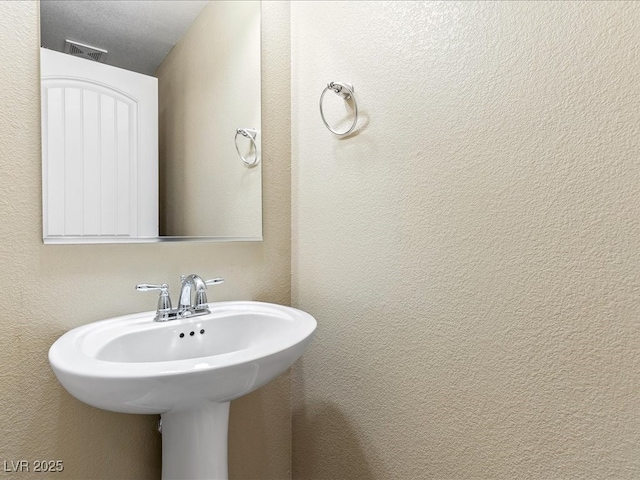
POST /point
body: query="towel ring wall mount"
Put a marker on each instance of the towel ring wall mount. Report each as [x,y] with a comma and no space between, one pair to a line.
[251,134]
[346,91]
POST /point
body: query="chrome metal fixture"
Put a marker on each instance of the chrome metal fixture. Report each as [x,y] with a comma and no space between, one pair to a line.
[251,134]
[346,91]
[187,306]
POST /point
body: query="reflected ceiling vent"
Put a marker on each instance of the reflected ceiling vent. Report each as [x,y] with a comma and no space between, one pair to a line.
[85,51]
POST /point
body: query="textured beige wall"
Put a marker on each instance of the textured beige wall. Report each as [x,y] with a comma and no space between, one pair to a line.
[473,255]
[47,290]
[208,86]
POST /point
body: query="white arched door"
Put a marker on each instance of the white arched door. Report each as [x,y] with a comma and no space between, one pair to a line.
[99,150]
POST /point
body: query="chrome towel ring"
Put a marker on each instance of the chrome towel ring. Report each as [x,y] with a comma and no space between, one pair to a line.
[345,90]
[251,134]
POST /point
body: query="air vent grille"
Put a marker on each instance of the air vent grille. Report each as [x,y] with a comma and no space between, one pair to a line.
[85,51]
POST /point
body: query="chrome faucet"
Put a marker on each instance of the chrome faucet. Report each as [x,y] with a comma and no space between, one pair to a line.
[187,307]
[193,281]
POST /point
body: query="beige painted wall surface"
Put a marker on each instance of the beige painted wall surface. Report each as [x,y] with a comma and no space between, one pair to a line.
[208,86]
[47,290]
[472,256]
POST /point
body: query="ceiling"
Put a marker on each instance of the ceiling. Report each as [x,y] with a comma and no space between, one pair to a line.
[138,34]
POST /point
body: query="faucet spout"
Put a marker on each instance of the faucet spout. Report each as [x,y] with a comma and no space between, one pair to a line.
[189,284]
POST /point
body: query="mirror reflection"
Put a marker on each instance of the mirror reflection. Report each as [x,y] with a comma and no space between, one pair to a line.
[148,109]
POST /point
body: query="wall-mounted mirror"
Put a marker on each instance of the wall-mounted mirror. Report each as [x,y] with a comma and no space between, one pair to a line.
[148,110]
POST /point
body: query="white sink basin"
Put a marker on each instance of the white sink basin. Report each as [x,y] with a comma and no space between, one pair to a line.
[187,370]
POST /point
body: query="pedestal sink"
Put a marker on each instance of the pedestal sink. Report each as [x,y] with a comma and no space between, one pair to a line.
[187,370]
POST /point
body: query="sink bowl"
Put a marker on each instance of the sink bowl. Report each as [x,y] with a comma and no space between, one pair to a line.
[187,370]
[132,364]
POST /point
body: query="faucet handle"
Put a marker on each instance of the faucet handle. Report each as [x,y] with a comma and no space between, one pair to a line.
[201,295]
[164,301]
[148,287]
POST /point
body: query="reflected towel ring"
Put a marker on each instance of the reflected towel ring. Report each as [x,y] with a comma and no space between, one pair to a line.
[345,90]
[251,134]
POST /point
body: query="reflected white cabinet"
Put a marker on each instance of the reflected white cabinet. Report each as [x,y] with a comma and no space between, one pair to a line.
[100,150]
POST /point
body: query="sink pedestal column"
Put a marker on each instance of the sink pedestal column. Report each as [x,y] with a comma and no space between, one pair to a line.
[194,443]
